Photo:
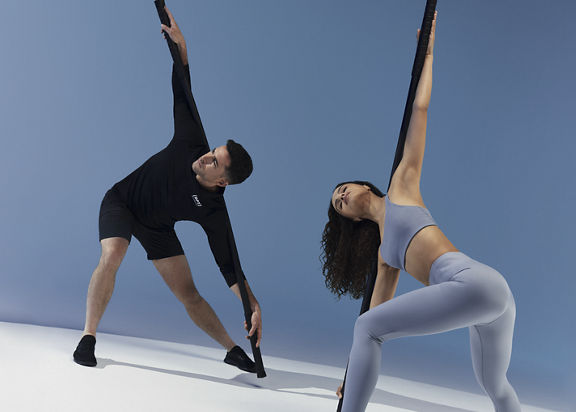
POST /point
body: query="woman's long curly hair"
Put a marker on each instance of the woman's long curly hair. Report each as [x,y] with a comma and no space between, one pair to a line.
[349,250]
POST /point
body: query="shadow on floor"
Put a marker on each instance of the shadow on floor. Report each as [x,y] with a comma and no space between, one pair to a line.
[293,382]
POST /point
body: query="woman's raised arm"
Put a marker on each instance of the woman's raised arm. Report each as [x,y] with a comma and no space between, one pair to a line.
[407,176]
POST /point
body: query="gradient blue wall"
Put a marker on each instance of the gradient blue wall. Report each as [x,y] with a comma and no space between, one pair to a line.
[315,91]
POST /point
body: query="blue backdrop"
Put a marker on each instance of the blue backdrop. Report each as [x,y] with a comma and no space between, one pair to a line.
[315,91]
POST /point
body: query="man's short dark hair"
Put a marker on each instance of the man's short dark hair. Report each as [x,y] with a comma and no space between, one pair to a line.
[240,163]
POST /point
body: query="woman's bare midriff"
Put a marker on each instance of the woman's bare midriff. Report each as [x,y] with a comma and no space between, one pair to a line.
[426,246]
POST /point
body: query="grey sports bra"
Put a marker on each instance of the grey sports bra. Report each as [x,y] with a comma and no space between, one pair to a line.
[401,224]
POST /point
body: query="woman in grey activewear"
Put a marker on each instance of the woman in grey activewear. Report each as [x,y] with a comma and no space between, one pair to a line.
[364,225]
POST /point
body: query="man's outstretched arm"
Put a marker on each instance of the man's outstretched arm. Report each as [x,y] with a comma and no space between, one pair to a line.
[187,124]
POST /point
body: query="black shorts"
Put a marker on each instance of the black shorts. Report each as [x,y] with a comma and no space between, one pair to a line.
[116,220]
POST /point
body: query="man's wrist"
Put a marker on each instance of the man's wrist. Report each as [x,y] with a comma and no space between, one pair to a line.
[183,53]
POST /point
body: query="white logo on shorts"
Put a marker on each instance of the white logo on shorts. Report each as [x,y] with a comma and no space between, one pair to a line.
[196,200]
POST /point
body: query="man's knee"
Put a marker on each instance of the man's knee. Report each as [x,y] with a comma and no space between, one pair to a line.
[113,252]
[190,296]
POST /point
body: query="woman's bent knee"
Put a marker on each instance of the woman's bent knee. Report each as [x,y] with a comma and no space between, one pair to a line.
[363,328]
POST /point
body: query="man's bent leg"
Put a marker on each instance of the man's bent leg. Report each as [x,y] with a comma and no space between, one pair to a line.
[102,281]
[176,273]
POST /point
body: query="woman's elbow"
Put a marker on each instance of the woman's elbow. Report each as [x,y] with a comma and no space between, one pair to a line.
[420,106]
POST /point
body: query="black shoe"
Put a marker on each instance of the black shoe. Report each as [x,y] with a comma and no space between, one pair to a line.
[237,357]
[84,353]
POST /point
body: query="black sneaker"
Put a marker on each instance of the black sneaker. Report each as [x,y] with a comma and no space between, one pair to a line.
[237,357]
[84,353]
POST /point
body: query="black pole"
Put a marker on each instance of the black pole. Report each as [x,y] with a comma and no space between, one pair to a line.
[179,67]
[421,49]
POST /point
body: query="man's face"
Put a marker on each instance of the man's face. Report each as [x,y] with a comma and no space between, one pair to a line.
[212,166]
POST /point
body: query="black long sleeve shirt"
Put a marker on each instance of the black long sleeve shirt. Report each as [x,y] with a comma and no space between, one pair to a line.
[164,189]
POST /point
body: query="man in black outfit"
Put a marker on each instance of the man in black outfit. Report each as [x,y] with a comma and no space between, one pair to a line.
[184,181]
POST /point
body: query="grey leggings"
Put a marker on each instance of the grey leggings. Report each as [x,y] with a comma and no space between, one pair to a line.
[462,293]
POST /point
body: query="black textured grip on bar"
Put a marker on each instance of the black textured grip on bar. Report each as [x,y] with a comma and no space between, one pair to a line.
[160,8]
[421,49]
[180,72]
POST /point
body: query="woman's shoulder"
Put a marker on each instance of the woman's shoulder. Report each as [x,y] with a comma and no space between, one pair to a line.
[404,196]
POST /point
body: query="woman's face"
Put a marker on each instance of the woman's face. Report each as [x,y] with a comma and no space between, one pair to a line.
[351,200]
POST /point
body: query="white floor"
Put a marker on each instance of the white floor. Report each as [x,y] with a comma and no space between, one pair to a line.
[133,374]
